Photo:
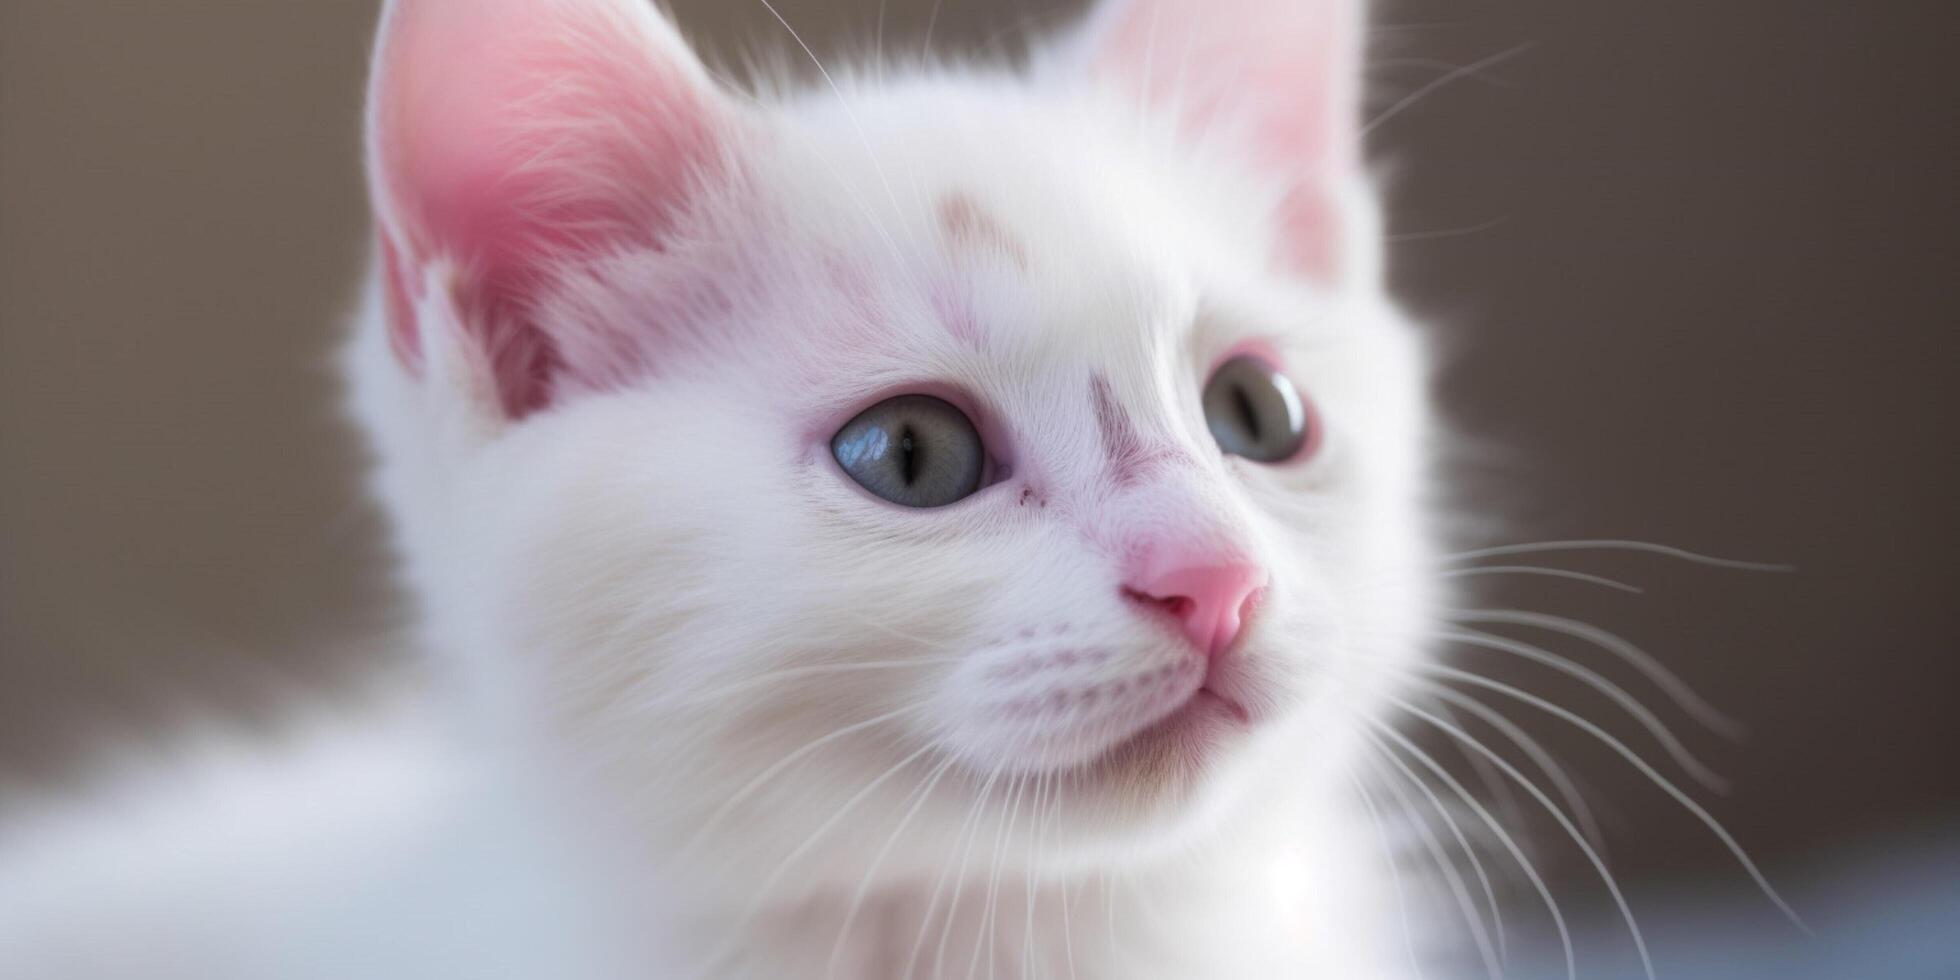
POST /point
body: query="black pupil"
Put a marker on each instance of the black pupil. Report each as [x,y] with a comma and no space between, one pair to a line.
[909,456]
[1248,415]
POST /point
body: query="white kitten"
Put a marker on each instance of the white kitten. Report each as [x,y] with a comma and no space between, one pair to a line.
[919,522]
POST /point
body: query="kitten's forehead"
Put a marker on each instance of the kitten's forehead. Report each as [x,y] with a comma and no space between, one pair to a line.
[980,196]
[1056,267]
[995,310]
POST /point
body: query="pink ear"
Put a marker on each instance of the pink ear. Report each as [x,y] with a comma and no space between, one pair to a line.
[1286,70]
[513,137]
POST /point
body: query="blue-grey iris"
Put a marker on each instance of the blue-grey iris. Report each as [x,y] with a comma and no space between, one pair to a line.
[1254,411]
[913,450]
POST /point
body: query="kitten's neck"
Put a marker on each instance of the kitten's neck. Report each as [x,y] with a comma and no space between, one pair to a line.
[1265,901]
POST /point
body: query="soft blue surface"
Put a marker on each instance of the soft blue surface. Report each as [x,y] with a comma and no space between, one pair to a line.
[1894,918]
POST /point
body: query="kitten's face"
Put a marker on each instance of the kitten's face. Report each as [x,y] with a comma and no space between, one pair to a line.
[684,576]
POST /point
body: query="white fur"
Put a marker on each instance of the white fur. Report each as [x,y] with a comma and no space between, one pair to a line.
[654,592]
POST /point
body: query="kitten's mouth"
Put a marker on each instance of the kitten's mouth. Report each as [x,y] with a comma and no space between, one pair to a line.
[1184,741]
[1233,708]
[1206,707]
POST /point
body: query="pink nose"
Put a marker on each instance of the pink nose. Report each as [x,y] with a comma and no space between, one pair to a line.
[1209,600]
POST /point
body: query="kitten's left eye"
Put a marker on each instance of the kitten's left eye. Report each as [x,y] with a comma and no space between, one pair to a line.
[913,450]
[1255,412]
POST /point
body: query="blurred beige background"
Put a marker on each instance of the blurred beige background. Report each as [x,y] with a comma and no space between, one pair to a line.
[1692,263]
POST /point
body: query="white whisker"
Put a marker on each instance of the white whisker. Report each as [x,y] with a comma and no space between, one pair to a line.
[863,139]
[1618,695]
[932,23]
[1715,826]
[1500,790]
[1068,934]
[1473,919]
[1561,780]
[1497,829]
[1440,234]
[878,859]
[1003,840]
[1043,787]
[1467,71]
[1394,874]
[1612,544]
[1646,663]
[878,45]
[764,891]
[969,828]
[702,698]
[1562,573]
[714,821]
[1612,884]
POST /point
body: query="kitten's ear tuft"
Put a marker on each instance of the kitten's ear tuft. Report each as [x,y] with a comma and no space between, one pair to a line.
[510,138]
[1288,71]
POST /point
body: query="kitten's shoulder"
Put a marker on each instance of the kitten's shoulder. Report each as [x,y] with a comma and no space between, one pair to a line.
[358,845]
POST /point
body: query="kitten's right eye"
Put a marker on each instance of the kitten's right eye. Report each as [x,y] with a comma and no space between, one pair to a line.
[1255,412]
[913,450]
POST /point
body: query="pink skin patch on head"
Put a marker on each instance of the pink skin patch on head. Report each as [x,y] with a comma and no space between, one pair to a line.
[1130,456]
[956,314]
[968,225]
